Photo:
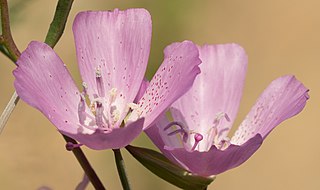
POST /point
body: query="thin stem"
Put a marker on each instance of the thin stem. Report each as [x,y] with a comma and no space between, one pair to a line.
[94,179]
[7,39]
[8,110]
[121,169]
[59,22]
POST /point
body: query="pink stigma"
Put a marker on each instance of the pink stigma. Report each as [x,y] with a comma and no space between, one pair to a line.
[197,138]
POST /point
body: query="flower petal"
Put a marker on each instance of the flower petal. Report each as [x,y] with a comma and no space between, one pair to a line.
[218,88]
[216,161]
[284,98]
[43,81]
[116,139]
[142,90]
[174,77]
[117,43]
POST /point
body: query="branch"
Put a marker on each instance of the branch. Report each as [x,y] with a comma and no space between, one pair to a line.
[94,179]
[6,36]
[8,110]
[59,22]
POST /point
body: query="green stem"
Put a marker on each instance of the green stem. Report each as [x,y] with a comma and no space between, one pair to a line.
[94,179]
[6,37]
[59,22]
[121,169]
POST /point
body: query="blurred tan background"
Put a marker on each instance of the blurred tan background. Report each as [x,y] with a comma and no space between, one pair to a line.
[280,37]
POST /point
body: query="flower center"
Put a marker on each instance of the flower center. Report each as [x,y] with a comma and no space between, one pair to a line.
[191,138]
[107,108]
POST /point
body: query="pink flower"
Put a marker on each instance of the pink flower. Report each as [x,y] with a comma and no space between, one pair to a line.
[198,137]
[112,50]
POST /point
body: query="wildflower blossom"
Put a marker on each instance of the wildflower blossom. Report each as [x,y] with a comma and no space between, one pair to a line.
[198,138]
[112,51]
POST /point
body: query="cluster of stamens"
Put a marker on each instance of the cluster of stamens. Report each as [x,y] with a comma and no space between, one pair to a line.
[104,108]
[186,133]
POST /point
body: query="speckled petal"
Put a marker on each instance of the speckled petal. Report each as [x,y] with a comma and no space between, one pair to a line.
[217,161]
[142,90]
[117,42]
[284,98]
[218,88]
[118,138]
[174,77]
[43,81]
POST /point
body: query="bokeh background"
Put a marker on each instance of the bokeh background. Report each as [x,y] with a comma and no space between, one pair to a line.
[280,37]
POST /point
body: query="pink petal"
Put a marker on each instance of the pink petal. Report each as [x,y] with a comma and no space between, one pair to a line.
[174,77]
[43,81]
[118,138]
[218,88]
[216,161]
[284,98]
[142,90]
[117,42]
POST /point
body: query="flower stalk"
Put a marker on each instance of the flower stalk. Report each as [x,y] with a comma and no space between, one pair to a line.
[83,161]
[121,169]
[6,39]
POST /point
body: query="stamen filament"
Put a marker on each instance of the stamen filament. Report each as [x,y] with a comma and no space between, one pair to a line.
[81,110]
[99,115]
[99,82]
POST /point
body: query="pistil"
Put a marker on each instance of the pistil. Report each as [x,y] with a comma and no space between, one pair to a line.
[197,138]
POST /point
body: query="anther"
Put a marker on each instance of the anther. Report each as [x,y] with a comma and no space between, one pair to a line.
[115,115]
[70,146]
[133,106]
[85,88]
[197,138]
[220,116]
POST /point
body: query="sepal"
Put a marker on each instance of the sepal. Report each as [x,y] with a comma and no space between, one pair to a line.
[168,171]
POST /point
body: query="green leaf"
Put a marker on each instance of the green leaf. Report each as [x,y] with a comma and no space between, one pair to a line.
[59,22]
[165,169]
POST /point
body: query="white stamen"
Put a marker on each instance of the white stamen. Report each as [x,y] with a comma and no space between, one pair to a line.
[98,72]
[81,110]
[85,88]
[133,106]
[99,82]
[115,115]
[112,95]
